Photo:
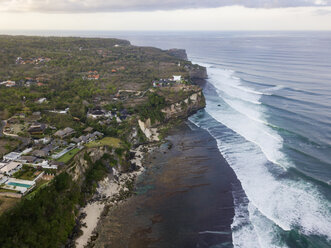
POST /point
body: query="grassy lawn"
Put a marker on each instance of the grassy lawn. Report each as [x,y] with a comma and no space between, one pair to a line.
[27,173]
[7,202]
[39,185]
[107,141]
[7,145]
[2,190]
[68,156]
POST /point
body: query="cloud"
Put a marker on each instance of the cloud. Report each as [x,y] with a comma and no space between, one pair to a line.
[86,6]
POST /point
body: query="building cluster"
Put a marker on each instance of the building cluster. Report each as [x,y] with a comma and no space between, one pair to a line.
[92,75]
[8,83]
[83,139]
[41,155]
[167,82]
[28,82]
[33,61]
[106,117]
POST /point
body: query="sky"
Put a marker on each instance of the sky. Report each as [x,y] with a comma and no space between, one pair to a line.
[165,15]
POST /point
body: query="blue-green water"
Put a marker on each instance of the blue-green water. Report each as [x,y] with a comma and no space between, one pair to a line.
[19,184]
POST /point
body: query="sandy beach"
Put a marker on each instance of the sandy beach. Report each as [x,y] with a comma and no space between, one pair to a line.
[183,199]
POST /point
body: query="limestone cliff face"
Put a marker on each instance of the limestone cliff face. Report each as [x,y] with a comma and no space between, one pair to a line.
[80,165]
[197,72]
[150,132]
[186,107]
[182,109]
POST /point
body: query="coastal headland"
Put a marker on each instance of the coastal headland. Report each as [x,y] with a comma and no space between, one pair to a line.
[80,117]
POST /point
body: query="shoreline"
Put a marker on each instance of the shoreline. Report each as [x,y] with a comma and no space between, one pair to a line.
[108,195]
[183,198]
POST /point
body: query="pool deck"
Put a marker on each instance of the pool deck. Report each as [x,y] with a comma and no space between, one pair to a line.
[22,189]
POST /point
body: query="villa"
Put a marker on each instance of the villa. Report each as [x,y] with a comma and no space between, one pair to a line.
[37,128]
[11,156]
[11,168]
[65,132]
[8,83]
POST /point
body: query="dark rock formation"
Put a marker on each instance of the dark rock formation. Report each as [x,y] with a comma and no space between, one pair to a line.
[178,53]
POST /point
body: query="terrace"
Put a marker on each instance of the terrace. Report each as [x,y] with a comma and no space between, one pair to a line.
[22,186]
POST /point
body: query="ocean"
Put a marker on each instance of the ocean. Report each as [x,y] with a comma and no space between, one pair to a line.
[269,109]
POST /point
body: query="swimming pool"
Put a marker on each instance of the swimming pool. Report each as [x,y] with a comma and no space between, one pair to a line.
[19,184]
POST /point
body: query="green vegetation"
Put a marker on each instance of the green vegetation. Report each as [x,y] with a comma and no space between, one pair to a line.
[46,217]
[7,144]
[66,158]
[7,203]
[27,173]
[62,77]
[96,172]
[107,141]
[8,190]
[45,221]
[152,108]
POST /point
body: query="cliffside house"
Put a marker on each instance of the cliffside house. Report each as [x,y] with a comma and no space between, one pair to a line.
[87,138]
[92,75]
[10,168]
[27,159]
[65,132]
[44,152]
[8,83]
[42,100]
[177,78]
[37,129]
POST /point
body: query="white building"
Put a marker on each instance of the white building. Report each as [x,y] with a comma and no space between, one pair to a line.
[26,151]
[177,78]
[3,179]
[42,100]
[8,83]
[11,156]
[2,164]
[11,168]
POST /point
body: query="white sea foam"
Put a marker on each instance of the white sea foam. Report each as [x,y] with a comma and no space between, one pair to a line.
[274,201]
[244,118]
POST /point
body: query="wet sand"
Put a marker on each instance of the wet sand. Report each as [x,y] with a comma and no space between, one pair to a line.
[184,198]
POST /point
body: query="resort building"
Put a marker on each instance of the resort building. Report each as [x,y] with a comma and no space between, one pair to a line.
[3,179]
[65,132]
[177,78]
[37,129]
[11,156]
[10,168]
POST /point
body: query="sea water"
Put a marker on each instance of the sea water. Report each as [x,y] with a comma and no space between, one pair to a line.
[269,108]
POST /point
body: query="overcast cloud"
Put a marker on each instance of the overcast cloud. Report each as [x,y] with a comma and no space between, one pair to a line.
[144,5]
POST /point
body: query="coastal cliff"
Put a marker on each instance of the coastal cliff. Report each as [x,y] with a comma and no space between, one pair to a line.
[178,110]
[197,72]
[136,94]
[184,108]
[81,164]
[178,53]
